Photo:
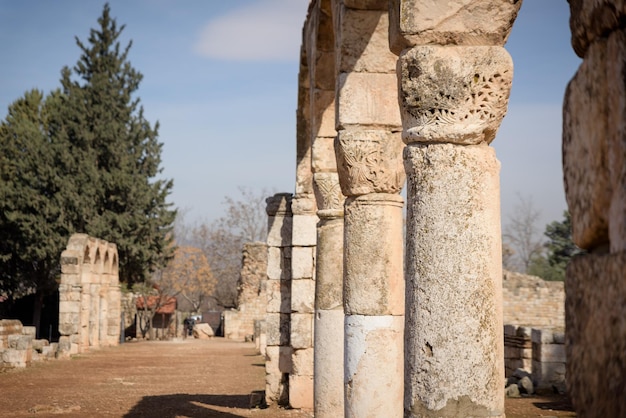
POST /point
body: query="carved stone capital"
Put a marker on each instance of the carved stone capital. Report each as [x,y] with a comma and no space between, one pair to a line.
[453,94]
[369,161]
[328,195]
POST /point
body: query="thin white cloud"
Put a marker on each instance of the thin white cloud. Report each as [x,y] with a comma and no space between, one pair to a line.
[267,30]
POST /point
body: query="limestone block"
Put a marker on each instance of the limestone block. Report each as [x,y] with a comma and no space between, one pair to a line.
[585,131]
[304,230]
[278,360]
[38,345]
[373,270]
[328,363]
[453,22]
[10,326]
[30,331]
[69,306]
[366,99]
[453,280]
[278,263]
[15,358]
[592,19]
[301,330]
[328,194]
[278,325]
[70,262]
[323,118]
[302,262]
[279,231]
[20,342]
[301,392]
[278,296]
[374,366]
[323,154]
[69,323]
[329,265]
[303,295]
[595,334]
[453,94]
[369,161]
[277,389]
[303,362]
[203,331]
[364,45]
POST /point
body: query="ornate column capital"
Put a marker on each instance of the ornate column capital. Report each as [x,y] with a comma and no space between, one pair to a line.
[453,94]
[369,161]
[328,195]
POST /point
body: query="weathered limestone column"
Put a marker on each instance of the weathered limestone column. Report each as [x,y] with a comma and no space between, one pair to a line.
[368,149]
[594,167]
[454,78]
[278,363]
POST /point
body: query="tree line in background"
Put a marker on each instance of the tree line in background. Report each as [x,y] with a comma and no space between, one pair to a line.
[82,159]
[525,251]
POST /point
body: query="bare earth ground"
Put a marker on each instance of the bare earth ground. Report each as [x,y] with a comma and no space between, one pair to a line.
[190,378]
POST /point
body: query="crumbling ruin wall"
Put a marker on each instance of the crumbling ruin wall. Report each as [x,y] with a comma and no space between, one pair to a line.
[252,295]
[533,302]
[89,295]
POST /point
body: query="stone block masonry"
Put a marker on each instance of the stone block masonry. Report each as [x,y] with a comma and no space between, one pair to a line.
[89,295]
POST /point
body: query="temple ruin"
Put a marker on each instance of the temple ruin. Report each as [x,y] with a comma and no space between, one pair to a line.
[362,324]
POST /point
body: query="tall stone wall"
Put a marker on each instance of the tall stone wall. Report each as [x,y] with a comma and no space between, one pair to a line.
[89,295]
[532,302]
[252,295]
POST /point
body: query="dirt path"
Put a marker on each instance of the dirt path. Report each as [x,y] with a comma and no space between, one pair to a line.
[191,378]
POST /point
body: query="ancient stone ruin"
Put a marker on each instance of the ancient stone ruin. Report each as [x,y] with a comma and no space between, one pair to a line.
[89,295]
[251,298]
[390,89]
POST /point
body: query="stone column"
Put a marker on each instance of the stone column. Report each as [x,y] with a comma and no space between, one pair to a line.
[368,149]
[278,363]
[594,168]
[303,242]
[329,316]
[454,79]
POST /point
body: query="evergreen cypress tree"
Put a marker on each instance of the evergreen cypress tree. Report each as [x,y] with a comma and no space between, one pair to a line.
[33,223]
[117,154]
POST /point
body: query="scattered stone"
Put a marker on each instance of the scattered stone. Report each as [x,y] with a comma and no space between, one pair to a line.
[203,331]
[512,391]
[526,385]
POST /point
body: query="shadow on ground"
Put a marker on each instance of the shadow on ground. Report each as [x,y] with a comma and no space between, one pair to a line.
[192,406]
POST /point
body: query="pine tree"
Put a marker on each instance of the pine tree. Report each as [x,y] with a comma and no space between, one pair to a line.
[122,200]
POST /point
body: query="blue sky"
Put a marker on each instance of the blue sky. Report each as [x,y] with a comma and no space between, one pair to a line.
[221,79]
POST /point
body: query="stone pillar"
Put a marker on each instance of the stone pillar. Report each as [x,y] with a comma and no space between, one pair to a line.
[368,149]
[454,79]
[278,364]
[115,301]
[594,168]
[303,242]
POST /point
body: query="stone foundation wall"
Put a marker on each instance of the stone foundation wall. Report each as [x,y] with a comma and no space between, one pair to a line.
[533,302]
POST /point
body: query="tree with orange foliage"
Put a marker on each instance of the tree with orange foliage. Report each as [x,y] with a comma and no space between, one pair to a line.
[189,275]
